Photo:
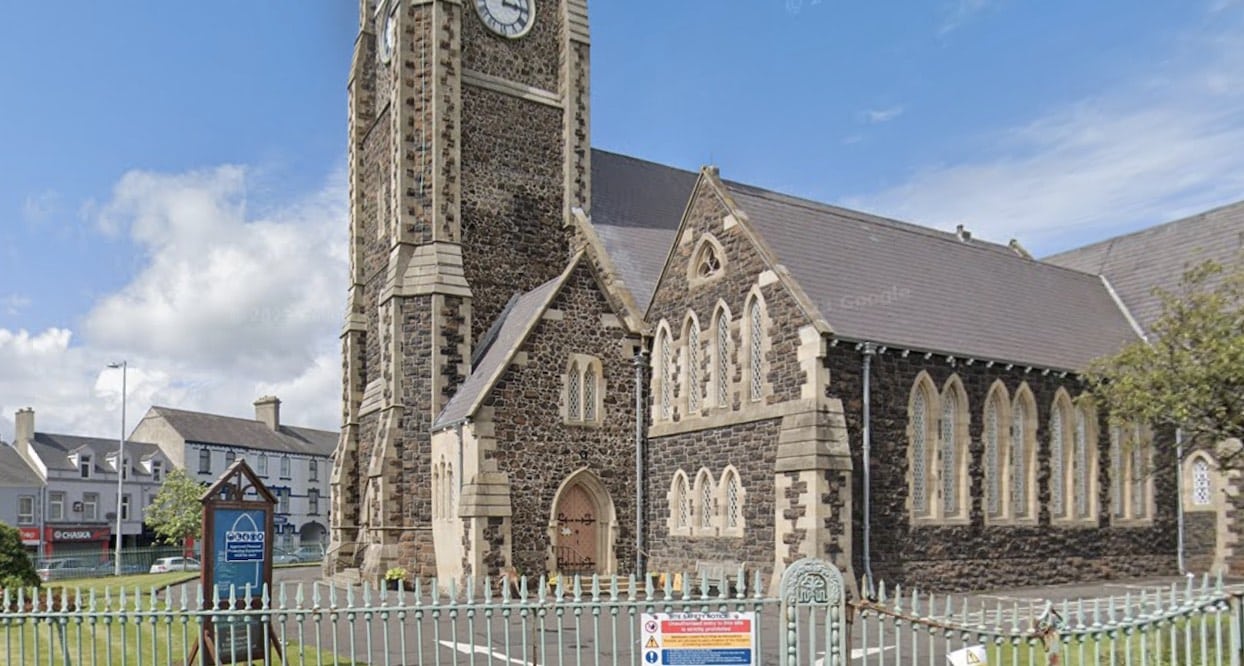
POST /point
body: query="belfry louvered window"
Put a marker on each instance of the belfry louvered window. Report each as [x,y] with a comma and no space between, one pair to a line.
[919,453]
[993,460]
[723,358]
[949,455]
[756,350]
[693,366]
[1057,474]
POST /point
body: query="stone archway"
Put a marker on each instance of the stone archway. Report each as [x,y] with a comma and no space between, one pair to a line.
[582,527]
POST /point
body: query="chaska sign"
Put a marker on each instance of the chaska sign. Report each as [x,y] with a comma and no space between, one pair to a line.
[237,564]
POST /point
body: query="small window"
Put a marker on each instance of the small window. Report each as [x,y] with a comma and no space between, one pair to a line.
[230,457]
[1201,495]
[85,466]
[56,506]
[205,461]
[706,261]
[282,500]
[313,469]
[756,350]
[157,470]
[573,394]
[261,465]
[26,510]
[313,502]
[709,264]
[125,507]
[90,506]
[125,468]
[680,504]
[284,467]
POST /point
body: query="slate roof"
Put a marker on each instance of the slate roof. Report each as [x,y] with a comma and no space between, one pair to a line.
[15,472]
[1138,262]
[519,319]
[907,286]
[874,278]
[204,428]
[54,450]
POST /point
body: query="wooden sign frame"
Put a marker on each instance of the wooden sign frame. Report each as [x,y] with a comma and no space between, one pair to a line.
[229,492]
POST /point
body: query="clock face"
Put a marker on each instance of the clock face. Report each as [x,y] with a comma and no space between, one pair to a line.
[389,40]
[508,18]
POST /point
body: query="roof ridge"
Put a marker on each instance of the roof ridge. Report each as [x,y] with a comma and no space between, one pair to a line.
[1149,229]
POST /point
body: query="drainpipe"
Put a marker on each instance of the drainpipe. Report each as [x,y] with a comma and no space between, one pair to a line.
[1179,495]
[640,363]
[869,350]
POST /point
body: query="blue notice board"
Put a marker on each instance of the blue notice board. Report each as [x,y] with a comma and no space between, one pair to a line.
[240,542]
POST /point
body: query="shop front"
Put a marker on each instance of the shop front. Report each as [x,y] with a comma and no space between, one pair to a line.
[84,540]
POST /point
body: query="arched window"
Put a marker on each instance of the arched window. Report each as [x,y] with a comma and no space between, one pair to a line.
[997,453]
[663,374]
[1141,466]
[694,388]
[680,504]
[755,348]
[1202,487]
[921,435]
[950,451]
[1083,486]
[1118,472]
[705,510]
[438,511]
[1059,420]
[573,394]
[730,503]
[1023,458]
[721,358]
[591,380]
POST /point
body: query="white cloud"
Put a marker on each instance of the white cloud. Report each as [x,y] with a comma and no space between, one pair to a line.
[1147,151]
[958,12]
[226,307]
[875,116]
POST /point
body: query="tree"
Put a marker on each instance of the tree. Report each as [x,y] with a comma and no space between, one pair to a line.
[176,514]
[16,569]
[1190,372]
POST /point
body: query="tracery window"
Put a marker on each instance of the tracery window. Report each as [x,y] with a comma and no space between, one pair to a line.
[705,509]
[706,261]
[680,504]
[730,503]
[1057,461]
[920,453]
[949,453]
[1073,459]
[1023,455]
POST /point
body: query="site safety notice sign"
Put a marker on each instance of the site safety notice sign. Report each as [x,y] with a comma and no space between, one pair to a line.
[698,639]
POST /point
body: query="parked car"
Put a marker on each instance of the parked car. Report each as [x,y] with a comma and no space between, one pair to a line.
[285,557]
[311,553]
[67,567]
[109,567]
[167,564]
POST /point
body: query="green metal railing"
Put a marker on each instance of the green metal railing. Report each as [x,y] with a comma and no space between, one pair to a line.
[594,621]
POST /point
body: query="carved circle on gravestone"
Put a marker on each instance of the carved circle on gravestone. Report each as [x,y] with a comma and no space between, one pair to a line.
[811,582]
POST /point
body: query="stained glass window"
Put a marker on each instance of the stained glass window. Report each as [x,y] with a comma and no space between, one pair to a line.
[572,393]
[1079,467]
[1019,460]
[950,458]
[589,393]
[723,359]
[993,471]
[1201,494]
[919,453]
[1057,477]
[756,347]
[693,367]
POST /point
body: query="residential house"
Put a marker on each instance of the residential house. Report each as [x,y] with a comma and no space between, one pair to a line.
[294,462]
[21,495]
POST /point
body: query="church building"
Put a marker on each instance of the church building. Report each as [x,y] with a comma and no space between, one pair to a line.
[561,359]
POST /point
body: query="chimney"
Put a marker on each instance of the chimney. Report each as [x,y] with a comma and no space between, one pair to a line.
[268,410]
[963,234]
[25,431]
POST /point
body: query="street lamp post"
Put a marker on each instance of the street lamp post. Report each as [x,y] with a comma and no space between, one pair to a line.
[124,365]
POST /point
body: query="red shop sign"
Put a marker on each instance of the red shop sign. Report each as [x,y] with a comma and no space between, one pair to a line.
[77,534]
[30,536]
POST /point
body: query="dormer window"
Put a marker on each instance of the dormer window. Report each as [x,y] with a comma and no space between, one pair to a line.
[84,466]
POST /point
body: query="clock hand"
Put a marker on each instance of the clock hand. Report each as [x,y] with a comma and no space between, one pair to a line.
[512,4]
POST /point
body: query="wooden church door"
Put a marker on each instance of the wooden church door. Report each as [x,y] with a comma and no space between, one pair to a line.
[578,529]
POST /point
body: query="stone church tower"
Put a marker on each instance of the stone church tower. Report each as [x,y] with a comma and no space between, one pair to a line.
[468,152]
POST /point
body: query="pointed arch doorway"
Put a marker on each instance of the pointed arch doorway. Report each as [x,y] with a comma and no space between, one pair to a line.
[582,527]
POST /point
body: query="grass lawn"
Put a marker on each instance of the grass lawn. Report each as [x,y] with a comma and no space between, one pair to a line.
[1195,641]
[143,582]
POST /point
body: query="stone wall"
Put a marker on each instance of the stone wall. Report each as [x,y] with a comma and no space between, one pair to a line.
[534,445]
[1200,540]
[975,555]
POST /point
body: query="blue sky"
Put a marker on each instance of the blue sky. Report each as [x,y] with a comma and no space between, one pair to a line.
[173,187]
